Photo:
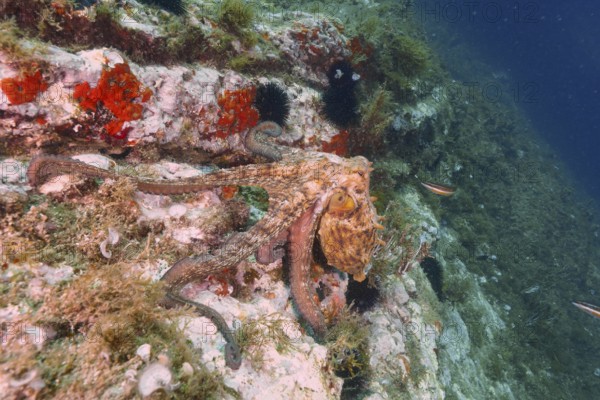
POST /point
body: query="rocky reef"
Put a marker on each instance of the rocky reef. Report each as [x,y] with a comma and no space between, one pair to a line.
[166,91]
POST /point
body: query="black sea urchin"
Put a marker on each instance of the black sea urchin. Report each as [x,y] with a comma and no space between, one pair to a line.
[176,7]
[340,105]
[341,75]
[272,103]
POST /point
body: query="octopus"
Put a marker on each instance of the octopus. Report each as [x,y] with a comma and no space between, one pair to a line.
[312,196]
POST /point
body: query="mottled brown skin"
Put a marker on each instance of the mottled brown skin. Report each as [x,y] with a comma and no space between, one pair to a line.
[310,194]
[257,140]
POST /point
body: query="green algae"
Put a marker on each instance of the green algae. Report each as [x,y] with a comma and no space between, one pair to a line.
[254,336]
[186,42]
[237,15]
[376,116]
[403,56]
[348,352]
[11,41]
[242,62]
[255,196]
[106,314]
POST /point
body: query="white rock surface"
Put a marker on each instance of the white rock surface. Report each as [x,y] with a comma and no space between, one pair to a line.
[96,160]
[297,374]
[154,377]
[12,171]
[144,352]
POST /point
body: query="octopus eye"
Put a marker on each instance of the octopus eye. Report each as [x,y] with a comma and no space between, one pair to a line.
[341,202]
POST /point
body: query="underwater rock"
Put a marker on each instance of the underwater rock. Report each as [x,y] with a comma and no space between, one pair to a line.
[305,124]
[398,294]
[144,352]
[96,160]
[309,45]
[53,276]
[413,117]
[173,99]
[199,220]
[184,108]
[188,235]
[12,199]
[155,377]
[63,185]
[31,379]
[12,172]
[177,211]
[394,351]
[404,356]
[183,105]
[59,184]
[171,171]
[298,373]
[187,369]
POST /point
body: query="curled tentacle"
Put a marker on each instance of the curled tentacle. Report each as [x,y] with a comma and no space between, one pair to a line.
[233,353]
[257,143]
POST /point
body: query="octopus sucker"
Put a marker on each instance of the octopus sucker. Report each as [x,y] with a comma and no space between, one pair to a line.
[312,195]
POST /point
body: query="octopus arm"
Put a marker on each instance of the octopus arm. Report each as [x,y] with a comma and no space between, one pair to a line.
[301,238]
[44,167]
[238,247]
[273,250]
[268,176]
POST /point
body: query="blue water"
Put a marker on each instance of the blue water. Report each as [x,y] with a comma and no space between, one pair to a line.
[550,50]
[545,56]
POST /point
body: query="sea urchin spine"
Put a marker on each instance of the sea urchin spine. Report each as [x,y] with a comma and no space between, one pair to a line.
[272,103]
